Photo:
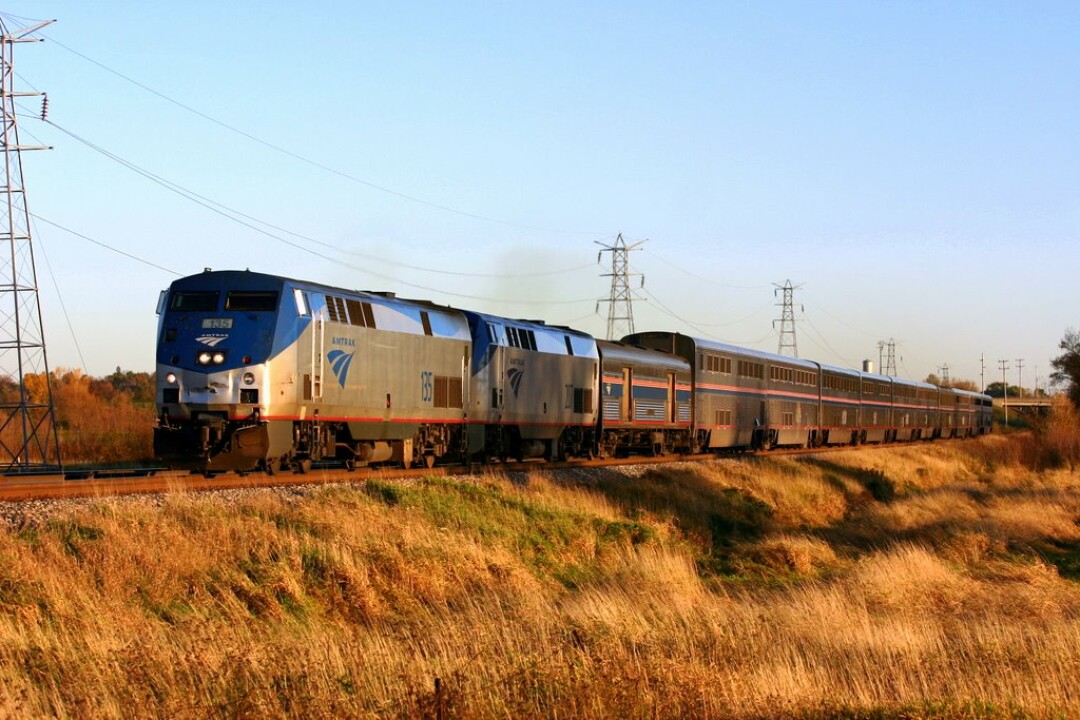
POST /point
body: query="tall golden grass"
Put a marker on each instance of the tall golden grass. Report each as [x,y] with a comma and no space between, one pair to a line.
[908,582]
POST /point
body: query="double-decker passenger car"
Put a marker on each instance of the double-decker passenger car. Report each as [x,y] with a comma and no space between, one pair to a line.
[645,401]
[742,397]
[841,403]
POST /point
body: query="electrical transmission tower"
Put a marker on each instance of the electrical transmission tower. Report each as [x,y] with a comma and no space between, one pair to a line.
[887,357]
[787,318]
[621,300]
[944,370]
[28,434]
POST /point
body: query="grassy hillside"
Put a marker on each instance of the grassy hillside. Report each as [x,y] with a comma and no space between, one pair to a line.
[921,581]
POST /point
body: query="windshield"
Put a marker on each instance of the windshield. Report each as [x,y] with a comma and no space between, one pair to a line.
[203,300]
[251,300]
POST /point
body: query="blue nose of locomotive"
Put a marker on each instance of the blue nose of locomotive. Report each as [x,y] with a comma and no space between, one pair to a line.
[218,321]
[216,335]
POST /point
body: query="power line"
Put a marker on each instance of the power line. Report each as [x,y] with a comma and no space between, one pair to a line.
[60,298]
[110,248]
[665,310]
[711,281]
[311,162]
[236,216]
[836,319]
[825,342]
[225,210]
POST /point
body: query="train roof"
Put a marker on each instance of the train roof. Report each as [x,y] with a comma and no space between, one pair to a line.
[841,370]
[914,383]
[531,324]
[656,359]
[389,312]
[717,346]
[244,279]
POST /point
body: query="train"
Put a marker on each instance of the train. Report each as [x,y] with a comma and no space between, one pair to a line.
[258,372]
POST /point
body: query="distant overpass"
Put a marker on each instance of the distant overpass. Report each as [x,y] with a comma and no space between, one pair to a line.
[1026,405]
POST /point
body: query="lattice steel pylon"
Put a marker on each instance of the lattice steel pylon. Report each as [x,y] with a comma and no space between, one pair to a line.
[28,434]
[887,357]
[787,319]
[621,300]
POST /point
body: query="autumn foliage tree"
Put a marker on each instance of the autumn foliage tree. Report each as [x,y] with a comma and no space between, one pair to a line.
[98,420]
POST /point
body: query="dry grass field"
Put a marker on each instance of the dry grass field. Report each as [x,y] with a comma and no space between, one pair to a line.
[908,582]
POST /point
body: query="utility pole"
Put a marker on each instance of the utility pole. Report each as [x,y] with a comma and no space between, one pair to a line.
[787,319]
[944,370]
[1020,368]
[982,372]
[887,357]
[621,300]
[1005,386]
[28,434]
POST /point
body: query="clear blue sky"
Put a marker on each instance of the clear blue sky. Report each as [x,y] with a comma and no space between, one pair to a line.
[914,165]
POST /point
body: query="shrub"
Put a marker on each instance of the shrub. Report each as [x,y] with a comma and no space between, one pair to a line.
[1059,435]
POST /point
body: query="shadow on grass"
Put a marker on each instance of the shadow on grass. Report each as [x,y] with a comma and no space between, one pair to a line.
[1065,556]
[875,482]
[717,519]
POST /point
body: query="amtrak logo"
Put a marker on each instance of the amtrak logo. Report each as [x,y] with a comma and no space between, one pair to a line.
[340,361]
[515,375]
[211,340]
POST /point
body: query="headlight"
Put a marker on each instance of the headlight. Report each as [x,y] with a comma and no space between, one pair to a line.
[170,378]
[249,378]
[206,357]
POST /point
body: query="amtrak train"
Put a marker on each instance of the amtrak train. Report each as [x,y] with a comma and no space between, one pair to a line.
[261,372]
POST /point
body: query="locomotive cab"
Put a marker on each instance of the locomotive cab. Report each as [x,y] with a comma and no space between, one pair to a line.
[215,336]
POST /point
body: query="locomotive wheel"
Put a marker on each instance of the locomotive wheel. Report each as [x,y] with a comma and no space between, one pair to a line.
[302,467]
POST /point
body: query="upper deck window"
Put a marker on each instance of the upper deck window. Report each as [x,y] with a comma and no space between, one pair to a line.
[204,300]
[716,363]
[251,301]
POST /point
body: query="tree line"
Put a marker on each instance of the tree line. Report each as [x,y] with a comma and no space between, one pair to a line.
[99,420]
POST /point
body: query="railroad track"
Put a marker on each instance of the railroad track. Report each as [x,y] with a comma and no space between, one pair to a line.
[108,483]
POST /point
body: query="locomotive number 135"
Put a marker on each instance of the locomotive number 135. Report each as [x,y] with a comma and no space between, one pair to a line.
[427,386]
